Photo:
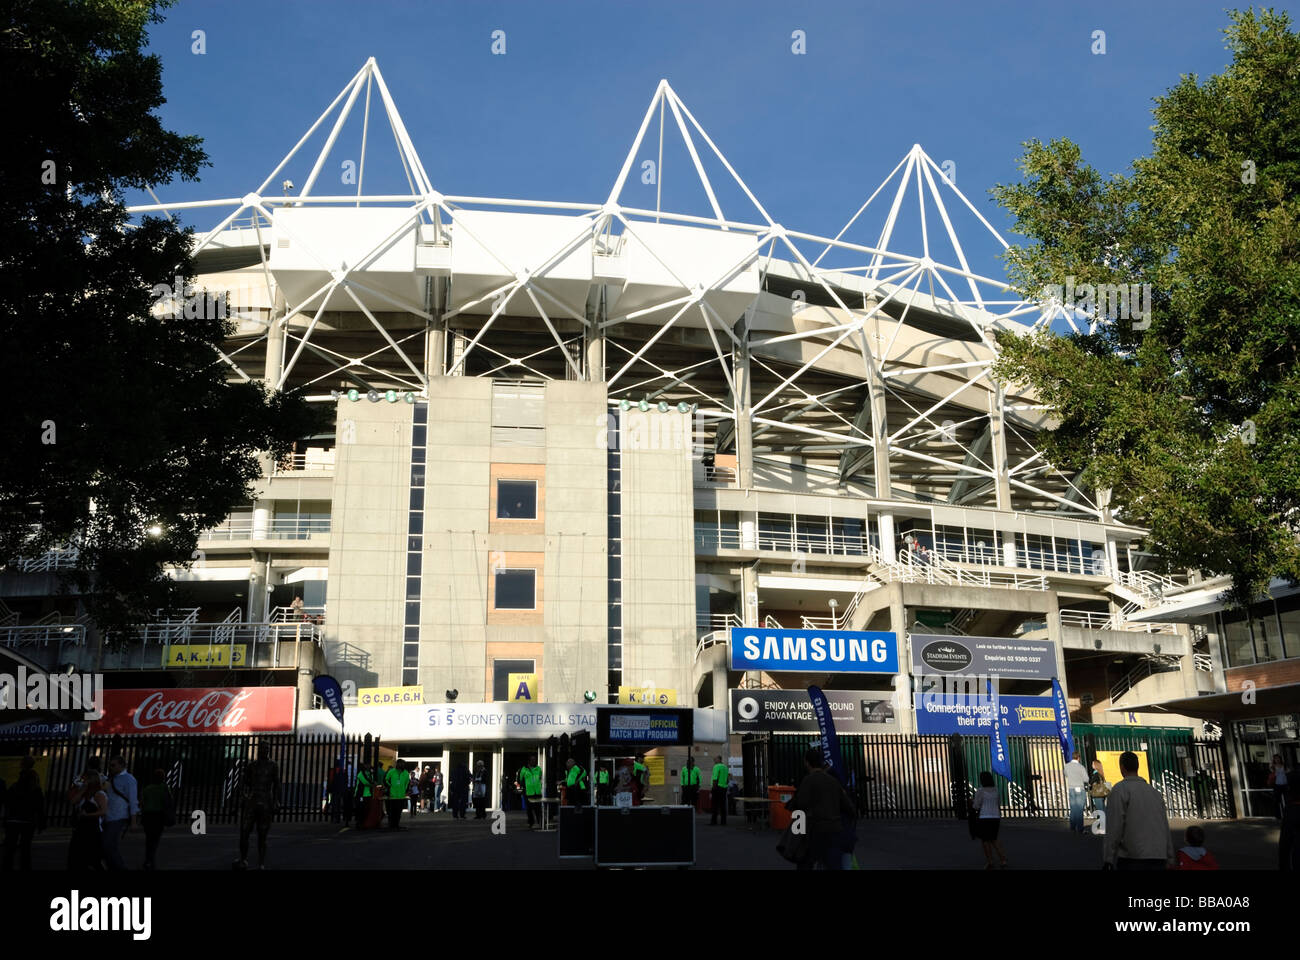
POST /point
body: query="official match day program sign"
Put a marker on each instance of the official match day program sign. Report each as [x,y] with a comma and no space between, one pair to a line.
[791,711]
[664,726]
[814,651]
[983,656]
[198,710]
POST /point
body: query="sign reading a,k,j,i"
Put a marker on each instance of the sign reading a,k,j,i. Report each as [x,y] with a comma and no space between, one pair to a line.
[814,651]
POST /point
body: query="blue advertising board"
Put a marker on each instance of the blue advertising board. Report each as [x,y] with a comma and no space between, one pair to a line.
[814,651]
[971,712]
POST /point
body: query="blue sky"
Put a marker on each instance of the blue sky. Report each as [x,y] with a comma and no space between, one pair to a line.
[811,134]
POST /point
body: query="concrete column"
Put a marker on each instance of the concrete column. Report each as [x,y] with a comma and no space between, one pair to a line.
[261,519]
[749,604]
[903,679]
[1008,549]
[1112,558]
[998,436]
[749,531]
[744,427]
[275,343]
[1054,635]
[1187,663]
[885,529]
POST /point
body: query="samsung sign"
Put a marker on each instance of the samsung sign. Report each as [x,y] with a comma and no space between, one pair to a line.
[814,651]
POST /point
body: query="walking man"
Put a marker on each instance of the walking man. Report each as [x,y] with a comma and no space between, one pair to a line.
[718,792]
[691,783]
[259,795]
[1137,825]
[530,778]
[1076,782]
[123,808]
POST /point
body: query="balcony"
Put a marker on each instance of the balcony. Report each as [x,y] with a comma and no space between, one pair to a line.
[311,460]
[279,528]
[710,538]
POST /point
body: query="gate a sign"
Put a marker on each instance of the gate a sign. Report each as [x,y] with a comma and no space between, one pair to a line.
[522,687]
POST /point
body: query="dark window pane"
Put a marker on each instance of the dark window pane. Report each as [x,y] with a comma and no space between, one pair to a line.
[515,589]
[415,544]
[517,499]
[411,656]
[410,678]
[421,413]
[413,613]
[417,498]
[418,434]
[418,455]
[412,588]
[413,563]
[417,524]
[501,670]
[417,474]
[411,634]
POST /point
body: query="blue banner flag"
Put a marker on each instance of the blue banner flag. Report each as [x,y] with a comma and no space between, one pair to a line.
[1062,720]
[998,737]
[826,723]
[329,690]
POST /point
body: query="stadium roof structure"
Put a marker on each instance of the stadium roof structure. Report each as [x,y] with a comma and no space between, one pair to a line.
[857,358]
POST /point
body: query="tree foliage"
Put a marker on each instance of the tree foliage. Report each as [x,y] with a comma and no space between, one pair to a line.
[118,421]
[1194,421]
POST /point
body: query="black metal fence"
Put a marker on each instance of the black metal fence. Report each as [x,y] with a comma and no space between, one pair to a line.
[204,772]
[932,776]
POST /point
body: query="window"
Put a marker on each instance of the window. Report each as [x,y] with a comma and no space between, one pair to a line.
[1268,641]
[1236,637]
[1290,626]
[501,670]
[515,590]
[516,499]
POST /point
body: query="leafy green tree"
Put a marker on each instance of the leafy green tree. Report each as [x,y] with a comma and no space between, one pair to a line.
[1191,416]
[120,428]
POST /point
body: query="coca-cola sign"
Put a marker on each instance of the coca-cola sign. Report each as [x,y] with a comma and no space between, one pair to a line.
[198,710]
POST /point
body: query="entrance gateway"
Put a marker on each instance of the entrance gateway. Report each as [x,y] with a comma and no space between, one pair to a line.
[501,734]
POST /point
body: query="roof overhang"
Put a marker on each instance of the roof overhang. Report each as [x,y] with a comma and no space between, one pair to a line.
[1263,702]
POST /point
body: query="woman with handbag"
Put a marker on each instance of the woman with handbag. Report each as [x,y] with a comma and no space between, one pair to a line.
[89,804]
[1098,789]
[988,817]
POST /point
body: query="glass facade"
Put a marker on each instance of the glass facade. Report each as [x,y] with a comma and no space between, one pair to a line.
[1266,632]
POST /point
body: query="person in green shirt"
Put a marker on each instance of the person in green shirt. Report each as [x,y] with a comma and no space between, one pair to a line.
[575,783]
[718,793]
[691,783]
[604,796]
[640,775]
[397,780]
[530,778]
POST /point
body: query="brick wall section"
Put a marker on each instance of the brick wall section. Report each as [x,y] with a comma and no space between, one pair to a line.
[1264,674]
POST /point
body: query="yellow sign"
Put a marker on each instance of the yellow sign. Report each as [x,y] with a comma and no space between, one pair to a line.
[522,687]
[205,655]
[655,770]
[387,696]
[647,696]
[1110,765]
[10,767]
[1024,713]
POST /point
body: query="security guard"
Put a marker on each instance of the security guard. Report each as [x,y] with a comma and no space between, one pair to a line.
[640,776]
[718,795]
[603,796]
[691,783]
[575,783]
[396,780]
[530,778]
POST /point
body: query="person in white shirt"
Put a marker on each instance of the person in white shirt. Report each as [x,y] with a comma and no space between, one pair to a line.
[123,807]
[988,817]
[1076,782]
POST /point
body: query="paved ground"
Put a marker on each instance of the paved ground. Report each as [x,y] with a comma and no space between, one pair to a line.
[438,842]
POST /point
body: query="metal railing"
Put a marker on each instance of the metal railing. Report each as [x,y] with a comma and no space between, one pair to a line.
[717,621]
[278,528]
[207,645]
[1148,666]
[288,614]
[710,537]
[313,458]
[18,635]
[716,474]
[1093,620]
[60,558]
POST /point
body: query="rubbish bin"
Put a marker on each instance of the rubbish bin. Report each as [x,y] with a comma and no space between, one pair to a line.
[777,796]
